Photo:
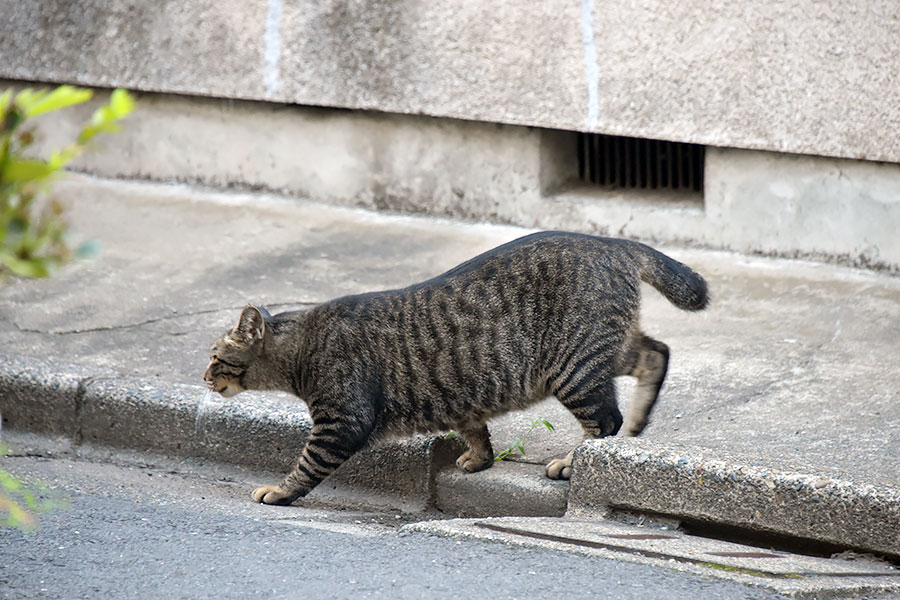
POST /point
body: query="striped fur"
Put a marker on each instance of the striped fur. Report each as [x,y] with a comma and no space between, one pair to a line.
[551,313]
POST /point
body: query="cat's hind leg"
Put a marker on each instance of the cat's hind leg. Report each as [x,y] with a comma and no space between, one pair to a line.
[597,411]
[480,454]
[648,360]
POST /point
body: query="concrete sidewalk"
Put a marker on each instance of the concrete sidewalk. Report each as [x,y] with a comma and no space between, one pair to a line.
[782,403]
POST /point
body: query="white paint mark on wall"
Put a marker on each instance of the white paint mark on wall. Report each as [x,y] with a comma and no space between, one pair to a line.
[592,72]
[273,47]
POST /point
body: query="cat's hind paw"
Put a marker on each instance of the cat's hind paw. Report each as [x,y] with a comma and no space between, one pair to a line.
[559,468]
[271,494]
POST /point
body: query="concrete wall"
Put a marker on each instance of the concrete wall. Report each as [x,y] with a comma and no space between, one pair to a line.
[782,204]
[803,205]
[811,77]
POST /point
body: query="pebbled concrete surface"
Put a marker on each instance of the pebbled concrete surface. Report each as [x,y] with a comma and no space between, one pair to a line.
[789,78]
[789,370]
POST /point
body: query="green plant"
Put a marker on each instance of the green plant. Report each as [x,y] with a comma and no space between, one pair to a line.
[520,444]
[20,503]
[32,229]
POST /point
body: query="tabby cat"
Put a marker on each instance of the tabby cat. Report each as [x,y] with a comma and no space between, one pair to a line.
[552,313]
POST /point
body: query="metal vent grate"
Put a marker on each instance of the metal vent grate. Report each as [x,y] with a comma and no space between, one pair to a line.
[637,163]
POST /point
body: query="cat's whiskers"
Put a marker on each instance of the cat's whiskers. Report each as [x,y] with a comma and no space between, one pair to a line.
[205,404]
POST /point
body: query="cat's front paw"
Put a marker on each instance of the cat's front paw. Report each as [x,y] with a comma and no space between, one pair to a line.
[271,494]
[472,463]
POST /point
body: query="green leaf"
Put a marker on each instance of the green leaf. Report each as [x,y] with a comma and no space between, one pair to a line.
[8,482]
[16,516]
[34,267]
[121,103]
[29,97]
[105,118]
[26,169]
[91,131]
[30,499]
[5,100]
[60,158]
[61,97]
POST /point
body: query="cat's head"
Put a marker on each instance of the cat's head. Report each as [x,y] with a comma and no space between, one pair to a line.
[232,355]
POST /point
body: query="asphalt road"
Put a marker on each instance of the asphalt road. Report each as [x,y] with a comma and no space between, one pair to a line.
[183,530]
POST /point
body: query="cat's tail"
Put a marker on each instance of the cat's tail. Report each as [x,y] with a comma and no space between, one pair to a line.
[681,285]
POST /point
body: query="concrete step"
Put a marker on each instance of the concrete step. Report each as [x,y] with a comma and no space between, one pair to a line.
[507,488]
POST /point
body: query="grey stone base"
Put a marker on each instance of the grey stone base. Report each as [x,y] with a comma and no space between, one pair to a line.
[691,482]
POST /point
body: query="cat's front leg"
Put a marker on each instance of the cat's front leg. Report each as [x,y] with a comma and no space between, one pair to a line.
[271,494]
[480,455]
[329,445]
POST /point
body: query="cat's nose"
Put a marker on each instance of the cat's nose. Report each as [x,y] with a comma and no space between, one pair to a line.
[208,375]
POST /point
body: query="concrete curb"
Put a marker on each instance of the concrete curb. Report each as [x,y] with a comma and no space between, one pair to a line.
[506,489]
[695,483]
[268,433]
[93,406]
[258,431]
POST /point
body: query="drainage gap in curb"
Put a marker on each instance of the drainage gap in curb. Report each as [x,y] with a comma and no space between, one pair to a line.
[745,536]
[666,547]
[773,541]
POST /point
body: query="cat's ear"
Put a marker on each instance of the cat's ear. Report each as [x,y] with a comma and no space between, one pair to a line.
[251,326]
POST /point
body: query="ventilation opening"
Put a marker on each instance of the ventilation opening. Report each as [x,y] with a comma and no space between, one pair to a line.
[625,162]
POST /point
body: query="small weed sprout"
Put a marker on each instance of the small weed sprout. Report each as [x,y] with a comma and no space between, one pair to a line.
[520,444]
[516,445]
